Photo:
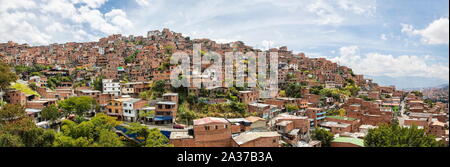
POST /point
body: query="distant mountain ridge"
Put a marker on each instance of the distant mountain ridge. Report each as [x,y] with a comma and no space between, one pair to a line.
[410,83]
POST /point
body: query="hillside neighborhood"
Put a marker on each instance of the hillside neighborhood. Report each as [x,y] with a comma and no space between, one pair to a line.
[320,103]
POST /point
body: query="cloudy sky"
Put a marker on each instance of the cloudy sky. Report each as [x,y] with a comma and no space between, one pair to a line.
[401,42]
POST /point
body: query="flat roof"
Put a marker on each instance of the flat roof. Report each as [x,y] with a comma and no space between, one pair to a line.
[254,119]
[31,110]
[259,105]
[148,108]
[355,141]
[89,91]
[236,120]
[129,100]
[284,123]
[342,118]
[180,135]
[334,124]
[166,102]
[287,116]
[249,136]
[170,94]
[209,120]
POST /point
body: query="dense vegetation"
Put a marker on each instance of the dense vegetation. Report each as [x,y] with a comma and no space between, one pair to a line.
[397,136]
[324,136]
[17,130]
[6,76]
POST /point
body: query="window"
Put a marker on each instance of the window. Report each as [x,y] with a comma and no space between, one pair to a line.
[217,127]
[206,127]
[274,140]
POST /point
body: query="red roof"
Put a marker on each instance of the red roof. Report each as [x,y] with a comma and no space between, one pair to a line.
[209,120]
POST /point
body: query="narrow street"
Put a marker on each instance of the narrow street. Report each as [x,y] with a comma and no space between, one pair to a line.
[402,117]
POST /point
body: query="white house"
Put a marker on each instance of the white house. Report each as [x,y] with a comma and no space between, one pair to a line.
[131,107]
[111,87]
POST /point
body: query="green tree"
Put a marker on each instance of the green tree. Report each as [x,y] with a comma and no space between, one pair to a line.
[323,136]
[417,93]
[11,112]
[78,105]
[293,90]
[33,86]
[108,138]
[147,95]
[9,140]
[156,139]
[98,84]
[185,113]
[158,88]
[149,137]
[353,89]
[97,132]
[6,76]
[50,113]
[2,103]
[316,90]
[21,130]
[146,114]
[397,136]
[291,107]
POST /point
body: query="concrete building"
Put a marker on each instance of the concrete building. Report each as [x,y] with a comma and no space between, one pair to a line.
[111,87]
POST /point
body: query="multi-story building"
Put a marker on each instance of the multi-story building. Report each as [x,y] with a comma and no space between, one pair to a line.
[111,86]
[165,112]
[212,132]
[131,107]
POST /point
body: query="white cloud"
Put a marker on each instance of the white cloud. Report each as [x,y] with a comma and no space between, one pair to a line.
[367,7]
[436,33]
[143,2]
[90,3]
[376,64]
[55,27]
[326,12]
[119,18]
[383,37]
[47,21]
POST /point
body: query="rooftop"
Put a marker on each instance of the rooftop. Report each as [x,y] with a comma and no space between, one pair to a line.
[259,105]
[342,118]
[180,135]
[254,119]
[209,120]
[249,136]
[237,120]
[334,124]
[170,94]
[287,116]
[166,103]
[355,141]
[284,123]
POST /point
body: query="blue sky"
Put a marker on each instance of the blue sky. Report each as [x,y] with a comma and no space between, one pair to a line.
[384,39]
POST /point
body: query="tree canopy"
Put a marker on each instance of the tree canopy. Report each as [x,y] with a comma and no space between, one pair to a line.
[97,132]
[324,136]
[397,136]
[78,105]
[17,129]
[293,90]
[50,113]
[6,76]
[148,137]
